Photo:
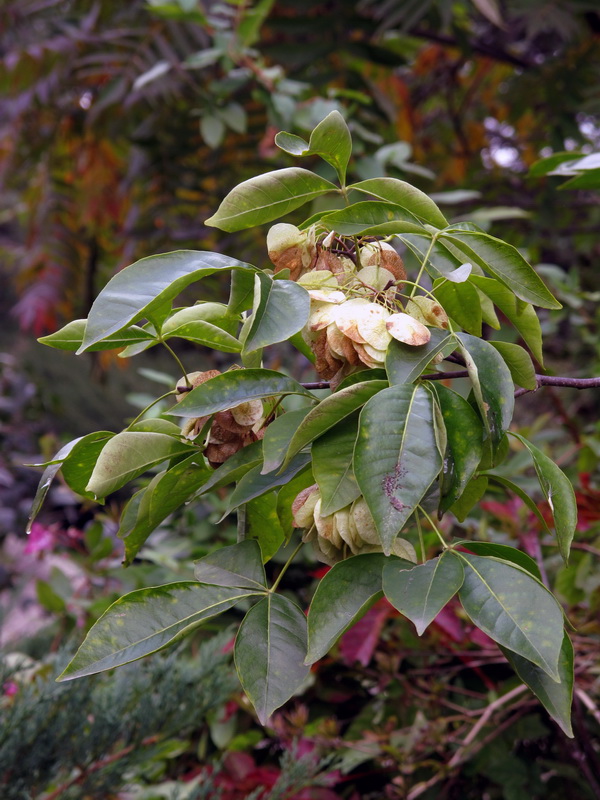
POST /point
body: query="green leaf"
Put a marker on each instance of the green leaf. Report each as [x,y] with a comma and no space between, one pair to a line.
[79,464]
[372,217]
[555,697]
[371,374]
[165,493]
[505,553]
[207,335]
[343,595]
[129,454]
[292,144]
[147,620]
[234,468]
[286,496]
[403,194]
[465,444]
[405,363]
[241,291]
[71,336]
[332,455]
[331,141]
[239,565]
[278,436]
[263,524]
[330,411]
[521,315]
[461,303]
[422,591]
[558,491]
[255,483]
[514,610]
[516,489]
[396,458]
[492,384]
[251,21]
[234,387]
[472,494]
[519,363]
[267,197]
[505,263]
[269,653]
[280,310]
[212,130]
[136,291]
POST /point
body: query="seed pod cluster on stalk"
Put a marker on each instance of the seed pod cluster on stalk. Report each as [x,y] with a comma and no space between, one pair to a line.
[230,430]
[356,306]
[348,531]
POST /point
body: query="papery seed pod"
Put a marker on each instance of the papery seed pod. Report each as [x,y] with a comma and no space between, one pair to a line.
[290,248]
[382,254]
[406,329]
[195,379]
[217,454]
[327,552]
[248,413]
[319,279]
[375,277]
[342,267]
[325,526]
[365,358]
[326,364]
[303,506]
[364,522]
[347,317]
[427,311]
[226,422]
[371,326]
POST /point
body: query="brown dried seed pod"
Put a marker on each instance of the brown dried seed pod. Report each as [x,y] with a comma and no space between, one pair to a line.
[427,311]
[383,254]
[290,248]
[226,421]
[195,379]
[407,329]
[218,453]
[326,365]
[304,505]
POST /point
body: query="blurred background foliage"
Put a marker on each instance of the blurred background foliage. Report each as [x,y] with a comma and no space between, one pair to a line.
[122,126]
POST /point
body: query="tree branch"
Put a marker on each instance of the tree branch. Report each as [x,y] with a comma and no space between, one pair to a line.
[541,380]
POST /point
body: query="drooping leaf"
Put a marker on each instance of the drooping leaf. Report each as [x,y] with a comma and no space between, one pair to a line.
[405,363]
[269,653]
[146,620]
[234,468]
[472,494]
[267,197]
[555,697]
[280,310]
[465,442]
[207,335]
[521,315]
[263,524]
[165,493]
[330,411]
[234,387]
[519,363]
[241,291]
[278,436]
[292,144]
[138,290]
[422,591]
[331,141]
[71,336]
[503,261]
[516,489]
[343,595]
[78,466]
[461,303]
[505,553]
[254,483]
[492,384]
[396,458]
[129,454]
[513,608]
[332,455]
[239,565]
[558,491]
[403,194]
[374,218]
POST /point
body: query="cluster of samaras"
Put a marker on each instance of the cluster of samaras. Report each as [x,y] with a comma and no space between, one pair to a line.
[356,302]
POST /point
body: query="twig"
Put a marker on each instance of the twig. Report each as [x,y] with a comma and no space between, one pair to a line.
[541,380]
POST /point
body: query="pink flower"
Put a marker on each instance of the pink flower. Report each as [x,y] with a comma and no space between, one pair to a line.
[41,539]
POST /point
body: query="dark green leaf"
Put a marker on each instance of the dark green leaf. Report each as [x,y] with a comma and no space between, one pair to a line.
[422,591]
[234,468]
[207,335]
[71,336]
[79,464]
[465,440]
[504,262]
[331,141]
[519,363]
[492,384]
[332,456]
[241,292]
[372,217]
[255,483]
[280,310]
[513,487]
[134,292]
[144,621]
[505,553]
[234,387]
[330,411]
[461,303]
[508,604]
[558,491]
[474,491]
[555,697]
[343,595]
[239,565]
[405,363]
[129,454]
[403,194]
[396,458]
[269,653]
[267,197]
[263,524]
[278,436]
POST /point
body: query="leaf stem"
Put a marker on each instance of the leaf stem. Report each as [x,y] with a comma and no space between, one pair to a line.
[148,407]
[179,364]
[434,526]
[425,260]
[285,567]
[421,540]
